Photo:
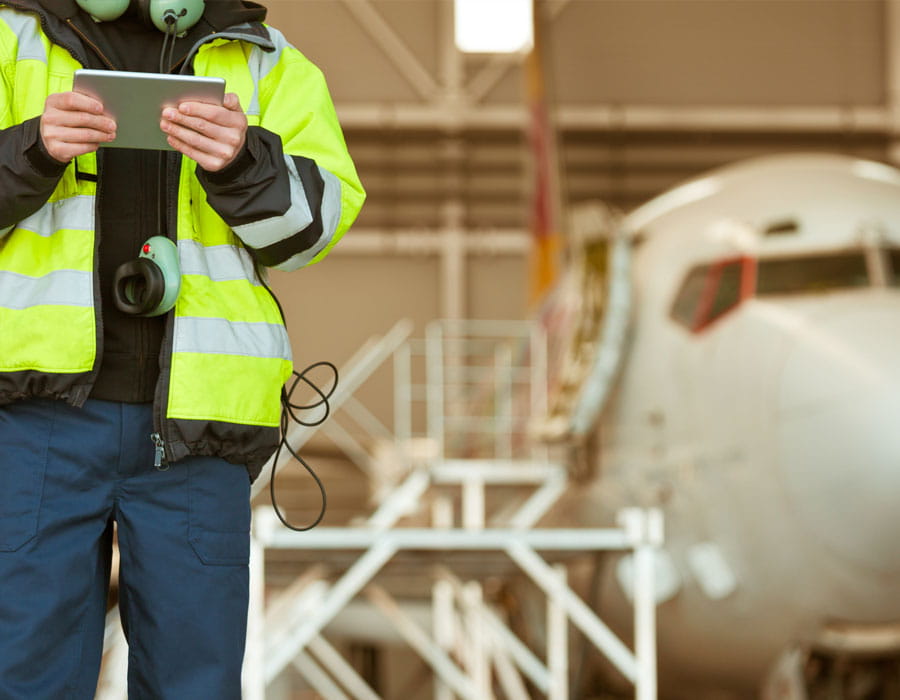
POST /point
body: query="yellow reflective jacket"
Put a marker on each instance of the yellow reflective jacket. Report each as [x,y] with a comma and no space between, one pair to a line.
[226,354]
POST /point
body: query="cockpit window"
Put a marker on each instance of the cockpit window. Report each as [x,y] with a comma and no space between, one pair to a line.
[728,290]
[893,276]
[709,292]
[687,301]
[811,274]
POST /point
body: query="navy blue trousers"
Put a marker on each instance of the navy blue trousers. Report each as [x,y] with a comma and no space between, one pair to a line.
[66,475]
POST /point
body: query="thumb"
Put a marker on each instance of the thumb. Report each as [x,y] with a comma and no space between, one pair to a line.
[232,102]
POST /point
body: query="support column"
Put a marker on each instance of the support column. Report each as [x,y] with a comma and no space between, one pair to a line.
[558,642]
[442,599]
[892,76]
[453,262]
[478,661]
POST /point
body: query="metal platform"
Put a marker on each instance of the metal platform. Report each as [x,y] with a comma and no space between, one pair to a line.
[288,629]
[461,492]
[460,503]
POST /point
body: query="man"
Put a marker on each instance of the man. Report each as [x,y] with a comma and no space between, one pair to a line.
[151,423]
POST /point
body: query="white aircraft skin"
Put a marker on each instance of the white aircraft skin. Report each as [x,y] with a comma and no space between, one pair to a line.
[772,435]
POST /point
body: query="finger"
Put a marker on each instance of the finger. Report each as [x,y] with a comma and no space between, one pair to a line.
[176,122]
[74,102]
[232,102]
[219,128]
[205,135]
[208,161]
[66,134]
[218,143]
[85,120]
[228,113]
[66,151]
[63,151]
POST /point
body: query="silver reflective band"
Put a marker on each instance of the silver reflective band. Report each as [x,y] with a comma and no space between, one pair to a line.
[260,234]
[218,336]
[59,288]
[75,213]
[221,263]
[261,63]
[331,217]
[4,231]
[27,31]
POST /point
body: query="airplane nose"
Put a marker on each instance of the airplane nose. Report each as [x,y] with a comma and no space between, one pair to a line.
[838,428]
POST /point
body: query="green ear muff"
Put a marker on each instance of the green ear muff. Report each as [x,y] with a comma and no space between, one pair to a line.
[184,14]
[104,10]
[149,286]
[162,14]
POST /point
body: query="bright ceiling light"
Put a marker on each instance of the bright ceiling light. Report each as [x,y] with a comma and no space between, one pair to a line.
[494,26]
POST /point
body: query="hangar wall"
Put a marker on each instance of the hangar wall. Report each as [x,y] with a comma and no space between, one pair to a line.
[645,93]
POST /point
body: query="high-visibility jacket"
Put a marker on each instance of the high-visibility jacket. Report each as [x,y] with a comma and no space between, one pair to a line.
[226,354]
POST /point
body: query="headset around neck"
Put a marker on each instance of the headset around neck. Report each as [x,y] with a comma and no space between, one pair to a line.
[168,16]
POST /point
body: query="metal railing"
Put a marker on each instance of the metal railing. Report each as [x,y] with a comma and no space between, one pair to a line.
[465,401]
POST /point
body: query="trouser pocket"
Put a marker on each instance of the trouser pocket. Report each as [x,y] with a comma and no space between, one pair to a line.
[25,430]
[219,529]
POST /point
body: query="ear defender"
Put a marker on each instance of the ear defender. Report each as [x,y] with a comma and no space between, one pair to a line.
[162,14]
[149,286]
[104,10]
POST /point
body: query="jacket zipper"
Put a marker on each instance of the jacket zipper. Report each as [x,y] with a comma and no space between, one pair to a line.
[90,43]
[171,165]
[159,451]
[160,437]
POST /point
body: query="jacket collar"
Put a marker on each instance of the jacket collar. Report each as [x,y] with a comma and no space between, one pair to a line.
[54,13]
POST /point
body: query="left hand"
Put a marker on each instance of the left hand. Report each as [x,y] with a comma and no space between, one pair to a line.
[212,135]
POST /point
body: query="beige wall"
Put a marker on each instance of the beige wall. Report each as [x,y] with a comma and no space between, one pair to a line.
[714,55]
[646,51]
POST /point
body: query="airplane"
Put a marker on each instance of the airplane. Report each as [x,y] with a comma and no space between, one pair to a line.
[734,368]
[755,399]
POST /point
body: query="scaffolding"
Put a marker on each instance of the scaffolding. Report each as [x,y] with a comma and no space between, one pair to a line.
[461,498]
[464,484]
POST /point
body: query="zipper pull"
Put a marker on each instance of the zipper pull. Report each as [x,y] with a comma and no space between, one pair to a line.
[159,452]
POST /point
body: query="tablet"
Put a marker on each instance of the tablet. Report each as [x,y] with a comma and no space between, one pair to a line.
[136,101]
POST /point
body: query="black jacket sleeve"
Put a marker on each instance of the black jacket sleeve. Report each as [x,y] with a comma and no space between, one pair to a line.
[28,174]
[258,188]
[254,185]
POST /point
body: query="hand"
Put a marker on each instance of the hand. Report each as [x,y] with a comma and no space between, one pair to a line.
[73,124]
[212,135]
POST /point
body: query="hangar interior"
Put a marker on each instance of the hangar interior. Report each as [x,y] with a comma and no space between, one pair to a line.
[643,95]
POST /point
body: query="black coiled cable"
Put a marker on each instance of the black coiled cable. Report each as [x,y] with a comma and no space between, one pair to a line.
[289,413]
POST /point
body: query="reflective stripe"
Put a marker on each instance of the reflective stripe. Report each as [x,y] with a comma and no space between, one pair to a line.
[28,32]
[331,204]
[60,288]
[331,217]
[260,234]
[4,231]
[73,213]
[261,63]
[219,263]
[218,336]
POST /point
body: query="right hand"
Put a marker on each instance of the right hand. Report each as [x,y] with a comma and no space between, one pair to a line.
[74,124]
